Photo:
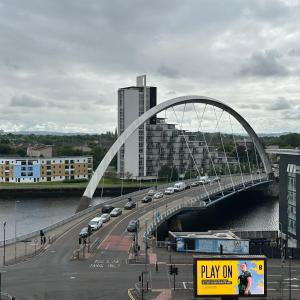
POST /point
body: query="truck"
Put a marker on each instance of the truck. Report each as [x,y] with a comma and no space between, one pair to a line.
[179,186]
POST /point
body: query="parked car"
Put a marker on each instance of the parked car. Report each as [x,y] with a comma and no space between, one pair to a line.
[107,208]
[96,223]
[151,192]
[146,199]
[169,191]
[105,217]
[130,205]
[179,186]
[84,232]
[133,226]
[158,195]
[117,211]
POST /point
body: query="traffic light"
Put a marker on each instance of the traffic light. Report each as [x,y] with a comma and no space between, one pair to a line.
[171,269]
[175,270]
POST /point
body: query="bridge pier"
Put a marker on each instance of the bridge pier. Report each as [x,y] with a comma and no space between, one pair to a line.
[272,190]
[83,204]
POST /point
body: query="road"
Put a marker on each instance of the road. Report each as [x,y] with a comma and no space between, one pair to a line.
[104,275]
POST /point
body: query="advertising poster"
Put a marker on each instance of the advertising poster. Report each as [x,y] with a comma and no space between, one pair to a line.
[180,244]
[230,277]
[229,246]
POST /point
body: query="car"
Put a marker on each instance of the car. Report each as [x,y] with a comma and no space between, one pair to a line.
[179,186]
[146,199]
[84,232]
[195,183]
[215,178]
[133,226]
[130,205]
[117,211]
[96,223]
[158,195]
[169,191]
[105,217]
[107,208]
[151,192]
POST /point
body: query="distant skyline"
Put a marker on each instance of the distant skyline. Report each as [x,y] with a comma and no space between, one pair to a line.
[62,61]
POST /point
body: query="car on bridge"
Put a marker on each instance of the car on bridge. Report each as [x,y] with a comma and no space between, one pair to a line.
[133,226]
[179,186]
[151,193]
[117,211]
[84,232]
[158,195]
[107,208]
[96,223]
[169,191]
[195,183]
[130,205]
[146,199]
[105,217]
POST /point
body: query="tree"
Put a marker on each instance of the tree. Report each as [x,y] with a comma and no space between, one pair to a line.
[168,173]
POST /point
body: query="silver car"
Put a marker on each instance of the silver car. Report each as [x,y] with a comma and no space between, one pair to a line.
[105,217]
[158,195]
[116,212]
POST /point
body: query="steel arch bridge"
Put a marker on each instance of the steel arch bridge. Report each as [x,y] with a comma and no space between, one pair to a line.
[95,179]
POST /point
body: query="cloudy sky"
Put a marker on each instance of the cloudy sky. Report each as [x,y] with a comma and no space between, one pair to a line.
[62,61]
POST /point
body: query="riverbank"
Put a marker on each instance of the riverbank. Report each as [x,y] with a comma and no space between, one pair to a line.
[109,187]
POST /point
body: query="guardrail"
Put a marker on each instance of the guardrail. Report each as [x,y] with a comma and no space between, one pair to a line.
[201,200]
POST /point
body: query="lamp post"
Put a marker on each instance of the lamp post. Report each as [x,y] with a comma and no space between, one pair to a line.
[17,201]
[4,224]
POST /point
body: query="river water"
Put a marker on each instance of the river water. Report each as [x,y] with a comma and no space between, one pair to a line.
[32,214]
[247,211]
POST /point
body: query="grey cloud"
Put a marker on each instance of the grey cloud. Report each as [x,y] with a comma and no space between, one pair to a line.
[279,104]
[264,64]
[25,101]
[294,52]
[168,71]
[250,106]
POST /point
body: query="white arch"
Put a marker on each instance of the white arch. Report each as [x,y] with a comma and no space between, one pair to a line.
[93,183]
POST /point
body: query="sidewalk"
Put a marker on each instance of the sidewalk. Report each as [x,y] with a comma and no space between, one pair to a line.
[26,249]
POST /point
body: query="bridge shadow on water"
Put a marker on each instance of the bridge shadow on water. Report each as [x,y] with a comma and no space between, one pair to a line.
[249,210]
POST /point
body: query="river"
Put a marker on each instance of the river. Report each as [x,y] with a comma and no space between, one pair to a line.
[247,211]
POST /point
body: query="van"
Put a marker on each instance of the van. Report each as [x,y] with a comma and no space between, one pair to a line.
[96,223]
[179,186]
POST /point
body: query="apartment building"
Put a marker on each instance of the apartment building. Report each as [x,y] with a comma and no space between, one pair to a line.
[32,169]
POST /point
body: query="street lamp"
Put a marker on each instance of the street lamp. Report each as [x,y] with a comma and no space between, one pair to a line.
[4,224]
[17,201]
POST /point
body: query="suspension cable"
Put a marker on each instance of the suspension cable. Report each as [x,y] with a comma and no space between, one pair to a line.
[206,145]
[237,153]
[222,142]
[248,160]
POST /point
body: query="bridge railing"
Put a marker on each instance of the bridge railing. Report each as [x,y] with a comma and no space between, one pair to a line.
[199,201]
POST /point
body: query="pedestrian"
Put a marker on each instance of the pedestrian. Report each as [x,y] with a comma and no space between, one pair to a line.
[44,240]
[156,266]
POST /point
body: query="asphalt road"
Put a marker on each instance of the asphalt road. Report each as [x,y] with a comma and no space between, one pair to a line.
[105,275]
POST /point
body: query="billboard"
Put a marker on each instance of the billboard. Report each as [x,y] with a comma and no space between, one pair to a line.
[230,276]
[213,246]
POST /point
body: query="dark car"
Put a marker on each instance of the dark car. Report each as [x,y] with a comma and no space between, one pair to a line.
[130,205]
[133,226]
[106,209]
[84,232]
[147,199]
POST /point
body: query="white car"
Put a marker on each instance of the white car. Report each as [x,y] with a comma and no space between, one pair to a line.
[158,195]
[95,223]
[169,191]
[105,217]
[151,193]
